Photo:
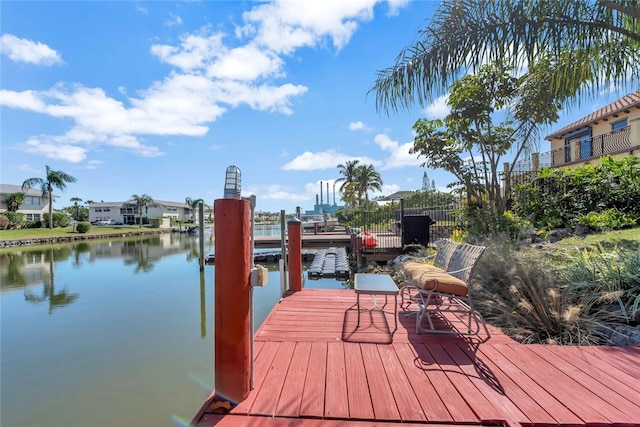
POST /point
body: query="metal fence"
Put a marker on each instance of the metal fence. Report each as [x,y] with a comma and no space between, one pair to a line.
[417,220]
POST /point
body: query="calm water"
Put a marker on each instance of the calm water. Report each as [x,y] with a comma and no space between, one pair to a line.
[112,332]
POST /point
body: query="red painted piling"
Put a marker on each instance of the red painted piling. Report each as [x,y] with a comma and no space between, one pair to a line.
[294,247]
[232,300]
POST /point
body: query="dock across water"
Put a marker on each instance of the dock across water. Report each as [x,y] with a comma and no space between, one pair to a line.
[313,367]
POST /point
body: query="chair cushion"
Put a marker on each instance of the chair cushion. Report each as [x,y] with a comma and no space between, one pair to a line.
[413,268]
[440,282]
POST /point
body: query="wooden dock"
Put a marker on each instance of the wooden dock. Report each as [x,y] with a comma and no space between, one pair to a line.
[309,240]
[314,368]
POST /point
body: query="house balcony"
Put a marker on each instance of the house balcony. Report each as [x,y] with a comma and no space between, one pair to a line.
[585,149]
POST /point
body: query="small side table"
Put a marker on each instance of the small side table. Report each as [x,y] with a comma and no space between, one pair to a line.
[376,284]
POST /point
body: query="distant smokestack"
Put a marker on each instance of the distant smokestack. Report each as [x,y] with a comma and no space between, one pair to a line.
[321,201]
[316,200]
[328,198]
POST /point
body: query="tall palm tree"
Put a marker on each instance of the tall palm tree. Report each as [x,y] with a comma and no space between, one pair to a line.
[347,188]
[575,44]
[367,179]
[193,204]
[141,203]
[57,179]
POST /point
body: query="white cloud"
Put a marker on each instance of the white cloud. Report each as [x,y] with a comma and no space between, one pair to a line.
[399,153]
[23,50]
[359,126]
[288,25]
[324,160]
[438,109]
[53,150]
[93,164]
[173,20]
[278,192]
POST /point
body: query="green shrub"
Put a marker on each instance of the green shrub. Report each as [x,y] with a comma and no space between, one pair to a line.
[16,219]
[60,219]
[155,222]
[611,219]
[83,227]
[4,222]
[607,280]
[558,197]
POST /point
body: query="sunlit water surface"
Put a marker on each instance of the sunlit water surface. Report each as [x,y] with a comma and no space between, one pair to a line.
[112,332]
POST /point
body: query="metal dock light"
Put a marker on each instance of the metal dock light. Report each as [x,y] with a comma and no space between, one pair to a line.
[232,183]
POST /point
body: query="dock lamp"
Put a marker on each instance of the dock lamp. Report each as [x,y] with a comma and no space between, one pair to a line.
[232,183]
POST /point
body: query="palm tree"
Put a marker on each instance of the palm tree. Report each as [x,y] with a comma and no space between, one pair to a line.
[348,172]
[141,203]
[575,44]
[13,201]
[193,204]
[366,179]
[76,207]
[57,179]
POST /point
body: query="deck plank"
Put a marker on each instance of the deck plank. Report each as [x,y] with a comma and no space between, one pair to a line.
[481,406]
[313,402]
[336,398]
[564,388]
[576,369]
[457,406]
[360,407]
[533,400]
[267,399]
[291,397]
[405,397]
[384,405]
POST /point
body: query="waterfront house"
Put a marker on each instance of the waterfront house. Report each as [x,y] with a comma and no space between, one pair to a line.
[613,130]
[34,206]
[127,213]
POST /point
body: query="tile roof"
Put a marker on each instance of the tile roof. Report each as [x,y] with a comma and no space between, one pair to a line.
[622,104]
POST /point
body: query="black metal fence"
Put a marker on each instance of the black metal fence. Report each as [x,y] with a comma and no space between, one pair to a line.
[419,219]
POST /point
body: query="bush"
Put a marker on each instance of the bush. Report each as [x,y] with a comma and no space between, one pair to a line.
[611,219]
[155,222]
[559,197]
[16,219]
[4,222]
[608,279]
[60,219]
[83,227]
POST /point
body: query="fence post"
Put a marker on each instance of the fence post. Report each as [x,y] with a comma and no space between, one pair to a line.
[535,161]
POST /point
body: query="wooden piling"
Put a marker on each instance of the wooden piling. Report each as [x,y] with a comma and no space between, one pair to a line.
[295,254]
[232,300]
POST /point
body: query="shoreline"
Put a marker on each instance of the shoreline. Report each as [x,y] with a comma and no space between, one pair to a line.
[34,241]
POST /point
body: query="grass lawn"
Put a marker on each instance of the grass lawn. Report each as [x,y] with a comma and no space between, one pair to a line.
[36,233]
[628,239]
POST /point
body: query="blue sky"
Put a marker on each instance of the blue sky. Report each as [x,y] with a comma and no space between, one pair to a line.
[161,97]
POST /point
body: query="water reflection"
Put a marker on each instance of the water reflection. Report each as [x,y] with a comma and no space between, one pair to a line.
[29,267]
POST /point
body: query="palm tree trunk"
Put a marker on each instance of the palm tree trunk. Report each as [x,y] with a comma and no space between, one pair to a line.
[50,207]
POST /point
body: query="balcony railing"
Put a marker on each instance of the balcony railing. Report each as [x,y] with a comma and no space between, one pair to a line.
[588,148]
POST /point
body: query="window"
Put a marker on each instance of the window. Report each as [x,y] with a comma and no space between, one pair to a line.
[98,209]
[32,201]
[32,217]
[619,124]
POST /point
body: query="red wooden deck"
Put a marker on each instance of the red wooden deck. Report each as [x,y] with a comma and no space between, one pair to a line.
[314,368]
